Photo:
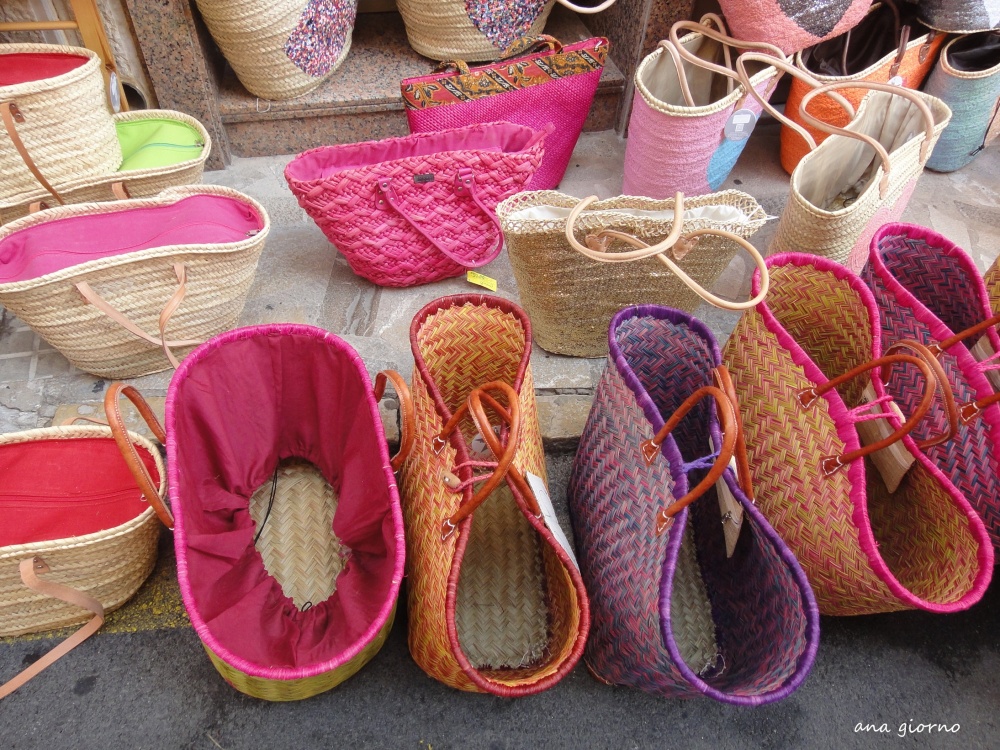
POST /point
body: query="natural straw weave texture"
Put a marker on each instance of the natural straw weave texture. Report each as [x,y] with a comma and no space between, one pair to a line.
[672,614]
[844,234]
[973,98]
[138,284]
[571,299]
[960,16]
[918,60]
[497,606]
[108,565]
[865,550]
[254,36]
[927,290]
[67,128]
[444,30]
[138,183]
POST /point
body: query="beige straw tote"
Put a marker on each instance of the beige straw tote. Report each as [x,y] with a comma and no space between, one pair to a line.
[77,541]
[116,287]
[56,121]
[571,290]
[187,169]
[476,30]
[280,49]
[860,179]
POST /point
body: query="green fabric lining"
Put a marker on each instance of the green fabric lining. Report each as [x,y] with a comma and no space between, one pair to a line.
[153,142]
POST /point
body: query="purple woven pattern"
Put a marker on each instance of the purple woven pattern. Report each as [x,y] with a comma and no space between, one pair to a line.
[394,245]
[927,295]
[319,38]
[764,613]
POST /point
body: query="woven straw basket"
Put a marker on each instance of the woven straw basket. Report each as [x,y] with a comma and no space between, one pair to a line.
[121,313]
[865,548]
[476,30]
[281,49]
[571,296]
[681,606]
[290,551]
[134,183]
[496,604]
[73,512]
[973,96]
[63,121]
[929,291]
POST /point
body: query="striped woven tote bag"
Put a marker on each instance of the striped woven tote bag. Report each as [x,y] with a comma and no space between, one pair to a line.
[496,602]
[807,365]
[692,591]
[929,290]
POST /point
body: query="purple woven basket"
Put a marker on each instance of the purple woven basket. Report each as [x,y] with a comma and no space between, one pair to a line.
[928,289]
[762,618]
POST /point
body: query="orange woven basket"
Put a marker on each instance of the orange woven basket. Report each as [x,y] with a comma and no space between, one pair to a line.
[496,603]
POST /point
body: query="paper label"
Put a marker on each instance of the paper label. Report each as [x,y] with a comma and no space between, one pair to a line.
[895,81]
[479,280]
[479,450]
[115,92]
[894,461]
[740,125]
[549,514]
[982,351]
[730,509]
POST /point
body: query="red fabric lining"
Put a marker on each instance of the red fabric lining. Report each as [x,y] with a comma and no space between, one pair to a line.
[241,408]
[22,67]
[54,245]
[53,489]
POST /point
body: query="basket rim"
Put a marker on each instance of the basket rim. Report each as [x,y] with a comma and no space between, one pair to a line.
[44,85]
[387,607]
[964,75]
[860,76]
[168,197]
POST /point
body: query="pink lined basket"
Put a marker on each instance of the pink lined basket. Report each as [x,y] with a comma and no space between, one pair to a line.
[247,412]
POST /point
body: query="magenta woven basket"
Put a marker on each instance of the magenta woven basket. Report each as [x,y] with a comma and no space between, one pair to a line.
[554,88]
[288,528]
[671,613]
[802,361]
[929,290]
[408,211]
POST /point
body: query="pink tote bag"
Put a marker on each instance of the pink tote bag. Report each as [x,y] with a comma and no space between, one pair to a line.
[552,88]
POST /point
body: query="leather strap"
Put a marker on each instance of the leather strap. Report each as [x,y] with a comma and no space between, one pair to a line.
[465,183]
[974,330]
[809,396]
[35,206]
[584,9]
[10,114]
[112,410]
[29,570]
[597,244]
[727,423]
[947,394]
[120,191]
[168,310]
[408,419]
[724,382]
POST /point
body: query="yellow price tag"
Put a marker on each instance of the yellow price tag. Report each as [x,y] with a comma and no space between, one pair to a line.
[479,280]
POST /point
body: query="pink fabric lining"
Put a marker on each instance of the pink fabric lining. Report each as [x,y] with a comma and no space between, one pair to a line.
[322,162]
[52,246]
[24,67]
[237,405]
[848,434]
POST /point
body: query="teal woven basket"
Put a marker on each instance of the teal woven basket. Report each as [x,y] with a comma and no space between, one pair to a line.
[967,79]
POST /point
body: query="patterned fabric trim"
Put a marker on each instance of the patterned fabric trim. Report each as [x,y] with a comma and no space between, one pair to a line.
[531,70]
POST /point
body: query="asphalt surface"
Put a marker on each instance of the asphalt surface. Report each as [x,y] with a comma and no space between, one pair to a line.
[155,688]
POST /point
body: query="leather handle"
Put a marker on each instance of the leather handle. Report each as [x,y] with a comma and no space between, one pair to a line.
[465,183]
[727,423]
[794,72]
[809,396]
[10,114]
[473,406]
[724,382]
[584,9]
[680,244]
[30,569]
[961,336]
[168,310]
[408,419]
[944,386]
[112,410]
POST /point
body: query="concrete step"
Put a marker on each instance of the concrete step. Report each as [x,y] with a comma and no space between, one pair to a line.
[361,101]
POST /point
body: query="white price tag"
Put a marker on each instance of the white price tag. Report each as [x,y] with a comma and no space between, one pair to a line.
[549,514]
[740,125]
